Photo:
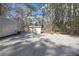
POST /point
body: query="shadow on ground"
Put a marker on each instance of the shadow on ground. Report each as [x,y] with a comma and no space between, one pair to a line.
[20,46]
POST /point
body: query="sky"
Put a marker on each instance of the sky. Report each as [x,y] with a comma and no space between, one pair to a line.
[13,6]
[37,5]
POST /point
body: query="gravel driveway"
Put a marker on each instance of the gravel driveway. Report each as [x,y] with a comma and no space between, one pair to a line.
[24,44]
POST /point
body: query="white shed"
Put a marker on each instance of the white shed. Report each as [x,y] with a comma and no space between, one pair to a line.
[35,29]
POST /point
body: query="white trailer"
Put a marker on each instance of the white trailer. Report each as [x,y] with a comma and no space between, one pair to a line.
[9,26]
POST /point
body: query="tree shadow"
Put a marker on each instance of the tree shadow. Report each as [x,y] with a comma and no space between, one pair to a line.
[25,49]
[42,47]
[62,50]
[16,37]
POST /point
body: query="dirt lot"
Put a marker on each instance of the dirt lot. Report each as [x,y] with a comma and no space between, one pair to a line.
[28,44]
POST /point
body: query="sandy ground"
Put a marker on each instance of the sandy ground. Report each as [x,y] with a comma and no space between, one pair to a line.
[27,44]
